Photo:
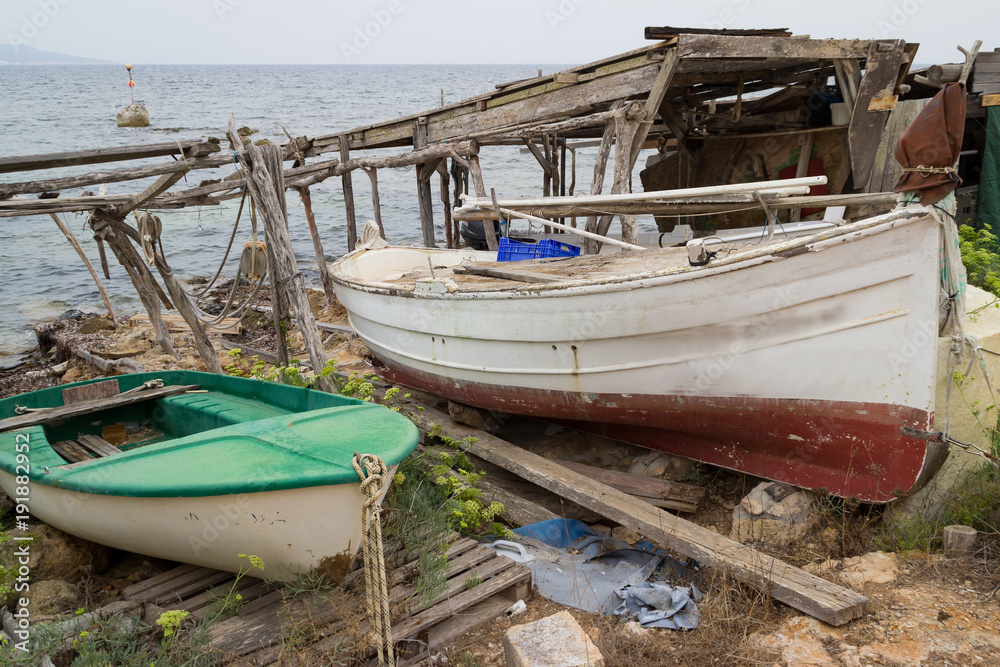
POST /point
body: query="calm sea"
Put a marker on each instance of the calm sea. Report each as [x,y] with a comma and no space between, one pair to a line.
[59,108]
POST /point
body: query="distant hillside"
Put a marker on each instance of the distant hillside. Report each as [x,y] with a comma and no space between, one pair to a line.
[29,55]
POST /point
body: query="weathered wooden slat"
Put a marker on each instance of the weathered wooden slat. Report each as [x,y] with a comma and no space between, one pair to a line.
[191,148]
[176,324]
[98,445]
[90,392]
[135,591]
[866,127]
[725,46]
[553,105]
[87,407]
[808,593]
[504,274]
[511,576]
[683,497]
[71,451]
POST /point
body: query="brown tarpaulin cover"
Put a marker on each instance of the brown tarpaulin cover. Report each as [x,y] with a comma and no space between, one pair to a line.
[934,139]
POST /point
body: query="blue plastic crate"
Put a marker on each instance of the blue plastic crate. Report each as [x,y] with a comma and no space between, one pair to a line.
[515,251]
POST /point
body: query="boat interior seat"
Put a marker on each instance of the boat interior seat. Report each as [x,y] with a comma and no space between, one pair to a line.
[85,448]
[197,412]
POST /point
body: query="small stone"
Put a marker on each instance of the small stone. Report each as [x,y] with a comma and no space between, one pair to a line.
[96,325]
[626,535]
[601,529]
[759,517]
[554,641]
[474,417]
[872,568]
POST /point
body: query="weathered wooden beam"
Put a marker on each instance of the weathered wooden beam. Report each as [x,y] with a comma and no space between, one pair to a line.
[348,187]
[533,148]
[376,201]
[424,186]
[115,176]
[476,174]
[601,167]
[324,272]
[866,126]
[805,592]
[654,101]
[88,407]
[263,164]
[732,47]
[162,184]
[189,148]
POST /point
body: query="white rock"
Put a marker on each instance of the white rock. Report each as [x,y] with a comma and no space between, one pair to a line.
[554,641]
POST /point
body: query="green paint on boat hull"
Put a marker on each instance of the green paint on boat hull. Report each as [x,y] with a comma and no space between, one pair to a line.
[241,436]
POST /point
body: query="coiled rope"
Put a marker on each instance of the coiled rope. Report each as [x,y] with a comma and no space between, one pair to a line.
[372,471]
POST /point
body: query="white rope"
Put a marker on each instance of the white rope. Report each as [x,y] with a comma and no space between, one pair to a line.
[372,471]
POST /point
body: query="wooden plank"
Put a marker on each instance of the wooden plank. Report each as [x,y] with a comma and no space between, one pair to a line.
[87,407]
[866,127]
[885,170]
[517,510]
[731,47]
[687,497]
[510,577]
[666,32]
[176,324]
[179,592]
[504,274]
[452,628]
[90,392]
[808,593]
[137,589]
[556,104]
[98,445]
[991,100]
[71,451]
[191,148]
[348,187]
[163,584]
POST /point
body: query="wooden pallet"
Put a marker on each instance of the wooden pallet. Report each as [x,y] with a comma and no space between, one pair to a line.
[480,586]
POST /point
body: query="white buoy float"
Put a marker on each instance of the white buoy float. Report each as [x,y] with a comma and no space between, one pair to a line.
[134,115]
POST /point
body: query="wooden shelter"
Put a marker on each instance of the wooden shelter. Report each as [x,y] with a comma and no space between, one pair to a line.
[719,106]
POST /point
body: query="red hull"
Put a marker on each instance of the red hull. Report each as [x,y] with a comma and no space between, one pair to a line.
[852,450]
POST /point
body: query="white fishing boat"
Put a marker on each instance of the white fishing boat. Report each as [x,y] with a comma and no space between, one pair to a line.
[810,360]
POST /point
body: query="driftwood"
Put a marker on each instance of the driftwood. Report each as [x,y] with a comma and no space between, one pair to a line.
[324,272]
[423,185]
[86,260]
[189,148]
[263,165]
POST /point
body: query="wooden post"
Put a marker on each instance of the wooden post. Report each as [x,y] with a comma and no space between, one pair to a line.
[324,273]
[881,74]
[959,540]
[477,180]
[625,132]
[376,202]
[266,185]
[460,181]
[562,171]
[183,304]
[442,170]
[600,168]
[143,281]
[90,267]
[348,187]
[802,169]
[424,186]
[280,316]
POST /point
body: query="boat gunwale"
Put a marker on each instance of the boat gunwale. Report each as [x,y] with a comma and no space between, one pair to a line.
[753,257]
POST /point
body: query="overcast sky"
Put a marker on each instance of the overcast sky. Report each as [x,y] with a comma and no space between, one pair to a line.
[457,31]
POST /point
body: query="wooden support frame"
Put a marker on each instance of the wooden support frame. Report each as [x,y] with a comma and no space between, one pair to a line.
[348,187]
[376,201]
[86,261]
[424,186]
[865,132]
[263,166]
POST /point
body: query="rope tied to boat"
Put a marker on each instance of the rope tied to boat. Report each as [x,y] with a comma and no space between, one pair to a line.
[372,471]
[926,171]
[959,342]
